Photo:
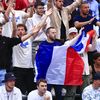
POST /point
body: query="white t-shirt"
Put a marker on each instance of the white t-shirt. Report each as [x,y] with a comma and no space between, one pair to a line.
[35,20]
[22,54]
[15,94]
[33,95]
[7,31]
[89,93]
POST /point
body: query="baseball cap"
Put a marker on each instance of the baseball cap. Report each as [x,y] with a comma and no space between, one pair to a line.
[9,77]
[96,76]
[72,29]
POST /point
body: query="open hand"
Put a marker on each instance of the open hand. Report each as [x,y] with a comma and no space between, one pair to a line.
[49,12]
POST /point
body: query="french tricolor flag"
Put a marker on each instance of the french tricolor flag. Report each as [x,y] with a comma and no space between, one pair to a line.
[60,64]
[84,40]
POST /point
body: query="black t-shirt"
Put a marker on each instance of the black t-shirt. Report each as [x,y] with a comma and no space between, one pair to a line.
[87,27]
[6,45]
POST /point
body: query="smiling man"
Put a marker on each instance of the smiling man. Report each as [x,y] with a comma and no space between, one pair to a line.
[41,92]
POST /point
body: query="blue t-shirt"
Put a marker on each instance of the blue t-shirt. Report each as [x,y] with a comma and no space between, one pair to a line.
[55,43]
[87,27]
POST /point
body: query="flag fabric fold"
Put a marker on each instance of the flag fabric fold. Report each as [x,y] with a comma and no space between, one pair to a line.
[84,40]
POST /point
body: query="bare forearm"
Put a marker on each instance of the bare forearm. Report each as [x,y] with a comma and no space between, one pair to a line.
[25,37]
[42,22]
[7,12]
[81,24]
[39,26]
[31,11]
[50,4]
[73,6]
[79,1]
[14,27]
[98,23]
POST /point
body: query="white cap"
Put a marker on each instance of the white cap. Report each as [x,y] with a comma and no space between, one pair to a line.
[72,29]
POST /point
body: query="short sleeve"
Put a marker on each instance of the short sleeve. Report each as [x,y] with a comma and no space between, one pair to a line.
[14,41]
[23,14]
[76,18]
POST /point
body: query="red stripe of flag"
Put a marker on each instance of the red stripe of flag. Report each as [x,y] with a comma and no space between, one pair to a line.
[74,68]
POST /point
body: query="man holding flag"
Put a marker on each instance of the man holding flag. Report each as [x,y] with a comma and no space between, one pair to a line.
[43,59]
[81,46]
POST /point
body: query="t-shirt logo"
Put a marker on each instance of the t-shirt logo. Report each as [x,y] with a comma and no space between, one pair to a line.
[17,18]
[24,45]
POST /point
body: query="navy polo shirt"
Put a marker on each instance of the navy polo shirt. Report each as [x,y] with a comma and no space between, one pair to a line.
[87,27]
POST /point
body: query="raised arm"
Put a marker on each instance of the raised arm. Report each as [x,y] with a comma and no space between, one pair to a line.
[3,19]
[73,6]
[8,10]
[28,14]
[36,29]
[73,41]
[14,33]
[50,4]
